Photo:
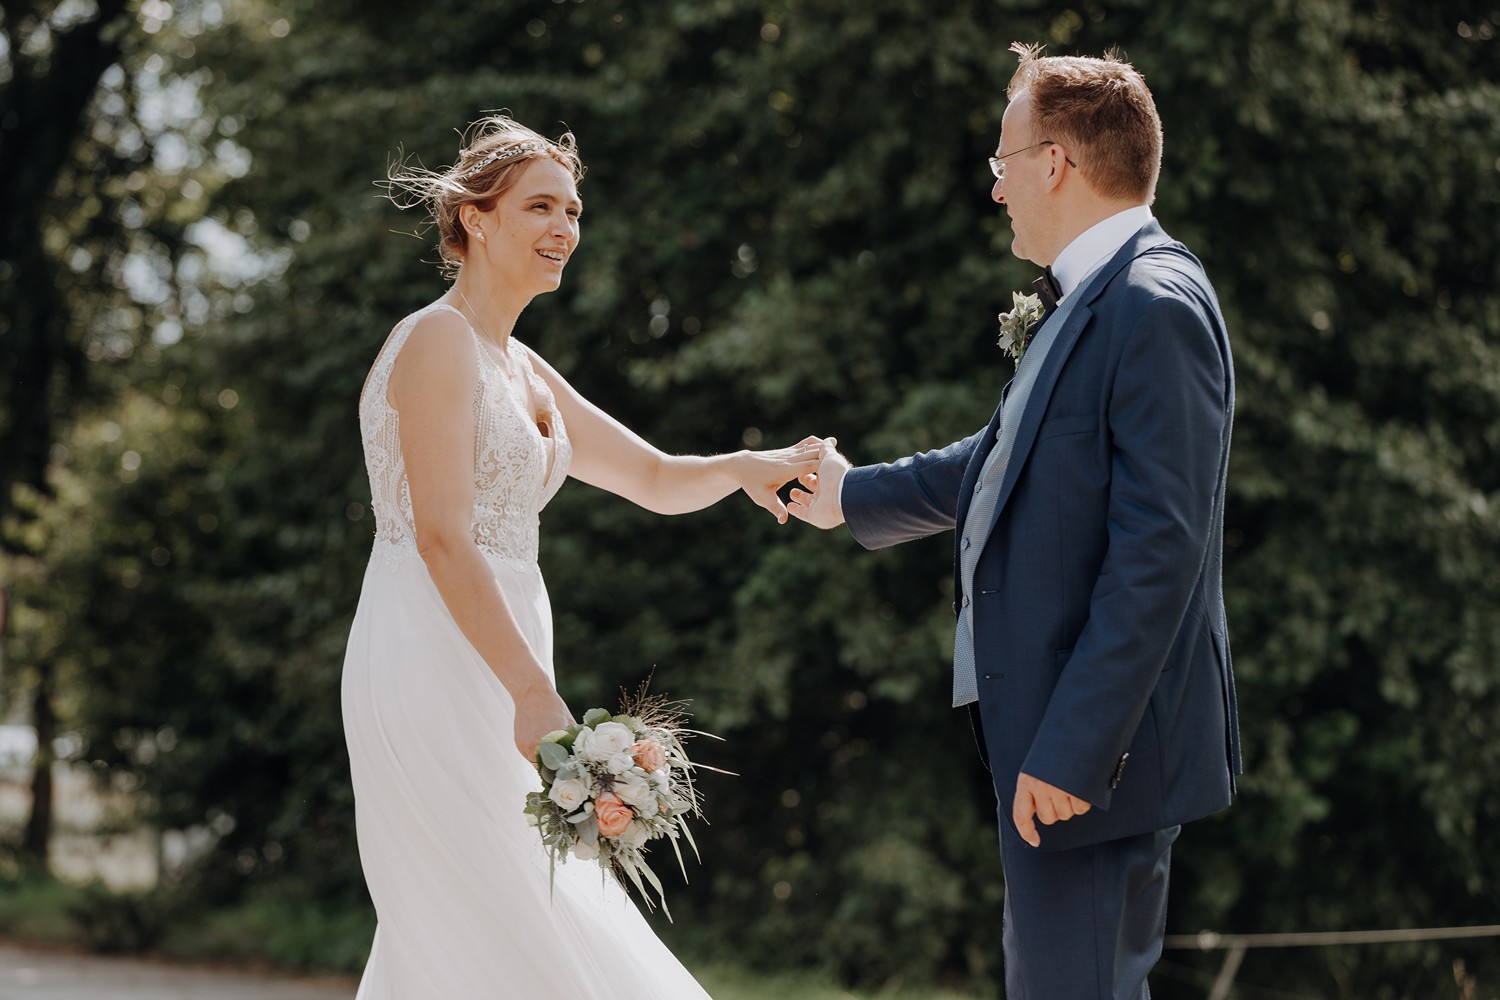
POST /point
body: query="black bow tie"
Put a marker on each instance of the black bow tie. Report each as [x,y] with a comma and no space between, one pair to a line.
[1047,289]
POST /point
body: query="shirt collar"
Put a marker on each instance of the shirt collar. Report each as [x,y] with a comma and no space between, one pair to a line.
[1095,245]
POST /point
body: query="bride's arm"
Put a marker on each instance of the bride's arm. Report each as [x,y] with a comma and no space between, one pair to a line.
[611,456]
[433,383]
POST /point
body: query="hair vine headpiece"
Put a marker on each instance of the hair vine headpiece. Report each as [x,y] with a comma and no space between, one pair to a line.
[501,155]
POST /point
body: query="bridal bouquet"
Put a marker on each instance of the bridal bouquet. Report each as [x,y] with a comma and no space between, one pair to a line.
[613,783]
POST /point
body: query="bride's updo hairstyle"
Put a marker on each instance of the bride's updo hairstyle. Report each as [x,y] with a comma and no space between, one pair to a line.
[496,150]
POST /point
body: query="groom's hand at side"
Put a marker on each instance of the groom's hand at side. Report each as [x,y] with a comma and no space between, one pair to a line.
[1048,803]
[818,504]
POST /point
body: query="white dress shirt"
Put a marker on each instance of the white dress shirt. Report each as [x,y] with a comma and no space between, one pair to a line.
[1094,246]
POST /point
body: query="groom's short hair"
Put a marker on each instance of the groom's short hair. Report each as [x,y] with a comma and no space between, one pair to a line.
[1099,109]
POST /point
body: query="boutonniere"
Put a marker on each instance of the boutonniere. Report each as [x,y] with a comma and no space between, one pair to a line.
[1018,325]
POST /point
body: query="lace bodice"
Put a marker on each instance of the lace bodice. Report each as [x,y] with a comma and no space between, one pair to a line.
[516,468]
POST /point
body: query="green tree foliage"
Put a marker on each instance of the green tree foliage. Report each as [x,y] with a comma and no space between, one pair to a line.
[103,169]
[1346,194]
[788,230]
[104,165]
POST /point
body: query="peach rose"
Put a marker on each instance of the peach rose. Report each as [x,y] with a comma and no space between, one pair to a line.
[649,755]
[613,815]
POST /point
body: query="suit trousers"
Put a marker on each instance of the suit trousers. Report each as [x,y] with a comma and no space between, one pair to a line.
[1083,923]
[1087,922]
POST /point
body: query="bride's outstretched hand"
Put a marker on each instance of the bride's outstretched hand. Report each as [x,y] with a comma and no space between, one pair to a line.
[539,711]
[762,473]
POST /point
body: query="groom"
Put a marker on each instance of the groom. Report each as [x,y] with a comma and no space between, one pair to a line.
[1091,647]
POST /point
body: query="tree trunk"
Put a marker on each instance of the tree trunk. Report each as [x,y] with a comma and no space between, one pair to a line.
[42,114]
[39,824]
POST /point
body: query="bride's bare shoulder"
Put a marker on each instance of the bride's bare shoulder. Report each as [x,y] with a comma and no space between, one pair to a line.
[438,355]
[438,332]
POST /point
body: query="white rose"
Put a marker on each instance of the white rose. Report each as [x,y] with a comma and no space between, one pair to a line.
[636,792]
[635,835]
[611,738]
[569,793]
[585,850]
[602,742]
[619,763]
[581,743]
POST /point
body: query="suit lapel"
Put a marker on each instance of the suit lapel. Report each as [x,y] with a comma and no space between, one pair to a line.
[1073,315]
[971,473]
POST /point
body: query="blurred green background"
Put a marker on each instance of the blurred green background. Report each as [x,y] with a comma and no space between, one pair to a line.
[788,231]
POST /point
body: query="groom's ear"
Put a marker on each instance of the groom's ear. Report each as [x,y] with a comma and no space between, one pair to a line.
[1057,158]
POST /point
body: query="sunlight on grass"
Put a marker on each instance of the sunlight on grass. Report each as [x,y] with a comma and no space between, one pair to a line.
[36,909]
[725,982]
[292,934]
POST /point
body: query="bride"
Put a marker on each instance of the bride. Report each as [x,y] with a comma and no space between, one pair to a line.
[448,683]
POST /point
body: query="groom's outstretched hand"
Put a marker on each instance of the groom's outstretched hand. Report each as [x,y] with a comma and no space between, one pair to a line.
[818,504]
[1048,803]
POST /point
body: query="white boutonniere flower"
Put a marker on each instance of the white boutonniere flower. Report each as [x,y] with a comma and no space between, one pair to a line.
[1018,325]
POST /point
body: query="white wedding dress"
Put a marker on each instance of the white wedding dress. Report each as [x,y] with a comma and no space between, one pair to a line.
[460,882]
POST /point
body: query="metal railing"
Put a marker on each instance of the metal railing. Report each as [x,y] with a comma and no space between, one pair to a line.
[1235,945]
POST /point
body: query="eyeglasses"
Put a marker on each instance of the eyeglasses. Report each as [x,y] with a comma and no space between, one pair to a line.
[997,163]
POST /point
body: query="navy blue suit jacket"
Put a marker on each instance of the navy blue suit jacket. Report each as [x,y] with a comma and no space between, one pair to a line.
[1099,625]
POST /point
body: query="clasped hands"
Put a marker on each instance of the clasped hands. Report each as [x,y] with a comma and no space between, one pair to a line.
[817,501]
[814,463]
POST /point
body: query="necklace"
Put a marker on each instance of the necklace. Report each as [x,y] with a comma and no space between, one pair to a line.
[543,425]
[503,355]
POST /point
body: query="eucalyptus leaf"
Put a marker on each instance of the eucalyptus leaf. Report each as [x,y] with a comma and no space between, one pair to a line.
[552,755]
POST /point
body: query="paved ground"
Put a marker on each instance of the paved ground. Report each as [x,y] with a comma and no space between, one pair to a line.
[27,974]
